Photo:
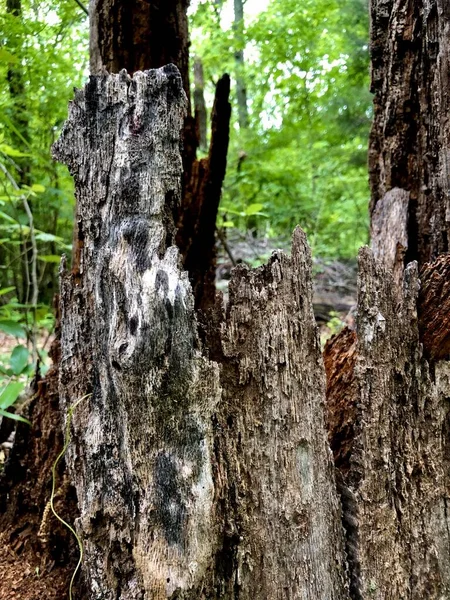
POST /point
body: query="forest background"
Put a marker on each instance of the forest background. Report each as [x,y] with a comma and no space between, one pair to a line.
[298,150]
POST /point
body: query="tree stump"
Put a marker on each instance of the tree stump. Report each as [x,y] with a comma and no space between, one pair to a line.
[195,478]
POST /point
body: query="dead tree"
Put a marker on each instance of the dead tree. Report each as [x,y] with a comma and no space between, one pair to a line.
[410,138]
[389,423]
[195,478]
[144,35]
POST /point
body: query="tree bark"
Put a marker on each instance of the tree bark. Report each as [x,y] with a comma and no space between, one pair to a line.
[394,422]
[280,499]
[200,205]
[434,308]
[193,482]
[137,36]
[200,105]
[145,35]
[410,138]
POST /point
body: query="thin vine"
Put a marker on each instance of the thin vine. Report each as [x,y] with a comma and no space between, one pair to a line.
[52,497]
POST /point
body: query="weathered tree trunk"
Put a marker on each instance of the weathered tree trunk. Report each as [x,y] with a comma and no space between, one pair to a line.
[146,35]
[137,35]
[410,139]
[280,505]
[389,421]
[193,482]
[201,198]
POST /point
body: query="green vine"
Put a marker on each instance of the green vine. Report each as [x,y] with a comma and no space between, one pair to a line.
[52,497]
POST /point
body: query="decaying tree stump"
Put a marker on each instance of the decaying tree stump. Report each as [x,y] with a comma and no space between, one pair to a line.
[136,36]
[194,479]
[395,479]
[279,478]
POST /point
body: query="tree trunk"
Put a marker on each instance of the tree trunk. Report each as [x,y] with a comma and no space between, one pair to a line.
[146,35]
[136,36]
[201,198]
[410,139]
[200,105]
[241,90]
[193,482]
[389,422]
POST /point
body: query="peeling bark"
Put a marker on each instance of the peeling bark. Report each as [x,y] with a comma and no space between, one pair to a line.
[434,308]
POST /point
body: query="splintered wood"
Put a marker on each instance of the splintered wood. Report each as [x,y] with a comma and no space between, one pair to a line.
[201,459]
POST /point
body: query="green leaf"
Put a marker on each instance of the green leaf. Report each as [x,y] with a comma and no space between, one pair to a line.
[228,224]
[19,359]
[47,237]
[7,290]
[12,328]
[10,394]
[253,209]
[50,258]
[10,151]
[3,215]
[38,188]
[7,57]
[14,417]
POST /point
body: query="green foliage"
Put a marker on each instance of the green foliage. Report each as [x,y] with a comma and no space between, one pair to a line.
[303,157]
[8,396]
[44,51]
[43,54]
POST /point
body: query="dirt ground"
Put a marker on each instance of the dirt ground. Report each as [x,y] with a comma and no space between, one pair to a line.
[24,574]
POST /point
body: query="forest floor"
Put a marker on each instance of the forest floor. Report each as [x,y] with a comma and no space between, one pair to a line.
[22,575]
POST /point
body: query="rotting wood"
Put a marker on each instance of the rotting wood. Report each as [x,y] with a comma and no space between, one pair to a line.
[395,482]
[389,231]
[191,485]
[434,308]
[142,442]
[197,223]
[283,519]
[340,360]
[145,35]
